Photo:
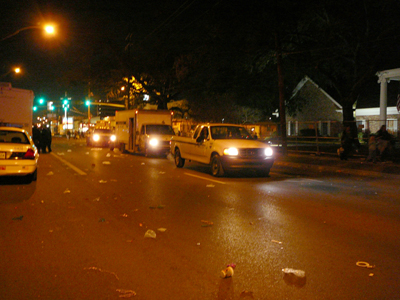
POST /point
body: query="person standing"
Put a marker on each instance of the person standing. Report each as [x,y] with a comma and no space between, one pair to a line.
[46,139]
[346,143]
[36,137]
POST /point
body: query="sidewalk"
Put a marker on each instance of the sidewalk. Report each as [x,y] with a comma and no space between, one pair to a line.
[332,164]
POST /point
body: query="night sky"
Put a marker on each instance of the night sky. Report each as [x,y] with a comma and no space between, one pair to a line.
[84,27]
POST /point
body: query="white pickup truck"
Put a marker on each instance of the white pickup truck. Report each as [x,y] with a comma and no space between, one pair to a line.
[225,147]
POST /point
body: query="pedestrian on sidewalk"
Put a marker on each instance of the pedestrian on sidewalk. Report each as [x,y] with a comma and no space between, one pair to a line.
[346,143]
[372,149]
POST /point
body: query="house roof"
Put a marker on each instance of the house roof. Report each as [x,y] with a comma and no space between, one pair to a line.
[308,79]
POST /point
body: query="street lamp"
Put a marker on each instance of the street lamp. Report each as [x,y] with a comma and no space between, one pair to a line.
[49,29]
[16,70]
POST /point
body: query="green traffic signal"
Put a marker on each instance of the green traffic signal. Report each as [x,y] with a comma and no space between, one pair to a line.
[87,102]
[34,108]
[65,101]
[41,101]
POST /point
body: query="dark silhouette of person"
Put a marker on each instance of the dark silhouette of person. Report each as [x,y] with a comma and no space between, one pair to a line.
[346,142]
[36,137]
[384,143]
[46,139]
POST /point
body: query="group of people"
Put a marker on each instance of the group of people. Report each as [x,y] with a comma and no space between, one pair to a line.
[379,144]
[42,138]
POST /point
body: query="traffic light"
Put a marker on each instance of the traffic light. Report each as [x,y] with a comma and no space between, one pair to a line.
[65,102]
[35,108]
[87,102]
[41,101]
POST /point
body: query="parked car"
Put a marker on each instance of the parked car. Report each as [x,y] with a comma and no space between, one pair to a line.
[100,137]
[18,154]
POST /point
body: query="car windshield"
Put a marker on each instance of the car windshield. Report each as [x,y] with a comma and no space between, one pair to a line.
[107,131]
[229,132]
[9,136]
[159,129]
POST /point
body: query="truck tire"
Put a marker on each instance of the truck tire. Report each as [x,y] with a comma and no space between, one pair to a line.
[179,161]
[216,167]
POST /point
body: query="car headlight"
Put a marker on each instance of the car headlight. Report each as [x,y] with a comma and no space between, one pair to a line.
[231,151]
[113,138]
[268,151]
[96,137]
[153,142]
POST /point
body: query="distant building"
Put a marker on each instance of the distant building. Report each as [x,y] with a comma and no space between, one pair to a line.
[320,111]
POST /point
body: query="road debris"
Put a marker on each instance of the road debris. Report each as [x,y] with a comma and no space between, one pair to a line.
[246,294]
[150,234]
[103,271]
[50,173]
[102,220]
[228,272]
[106,162]
[126,293]
[60,153]
[294,277]
[162,229]
[210,185]
[108,155]
[161,172]
[18,218]
[364,264]
[159,207]
[102,181]
[69,150]
[67,191]
[275,241]
[206,223]
[97,199]
[124,215]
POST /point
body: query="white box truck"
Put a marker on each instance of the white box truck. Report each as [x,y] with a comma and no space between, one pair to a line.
[16,107]
[143,131]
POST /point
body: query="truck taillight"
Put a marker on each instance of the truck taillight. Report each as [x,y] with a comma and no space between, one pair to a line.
[30,154]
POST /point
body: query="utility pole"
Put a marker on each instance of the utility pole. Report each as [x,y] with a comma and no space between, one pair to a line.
[282,106]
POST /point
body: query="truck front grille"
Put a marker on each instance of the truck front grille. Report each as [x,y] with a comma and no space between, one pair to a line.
[251,152]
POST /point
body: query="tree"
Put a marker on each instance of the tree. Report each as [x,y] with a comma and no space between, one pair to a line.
[342,44]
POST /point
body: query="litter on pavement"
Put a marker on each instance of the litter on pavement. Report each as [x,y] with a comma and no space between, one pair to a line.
[106,163]
[206,223]
[50,173]
[126,293]
[150,234]
[364,264]
[67,191]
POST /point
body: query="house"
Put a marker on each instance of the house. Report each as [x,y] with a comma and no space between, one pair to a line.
[370,119]
[320,111]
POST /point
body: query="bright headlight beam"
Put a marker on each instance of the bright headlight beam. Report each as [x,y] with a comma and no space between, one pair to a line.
[96,137]
[113,138]
[153,142]
[231,151]
[268,151]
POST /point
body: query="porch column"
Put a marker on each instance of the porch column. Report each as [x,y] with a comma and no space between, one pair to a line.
[383,101]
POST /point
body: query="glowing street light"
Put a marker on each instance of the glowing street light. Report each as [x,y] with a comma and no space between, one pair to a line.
[49,29]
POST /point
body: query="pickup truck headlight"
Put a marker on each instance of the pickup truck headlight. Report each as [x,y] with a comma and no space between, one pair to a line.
[96,137]
[231,151]
[268,151]
[113,138]
[153,142]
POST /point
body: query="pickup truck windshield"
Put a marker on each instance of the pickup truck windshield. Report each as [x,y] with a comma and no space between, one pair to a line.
[160,129]
[230,132]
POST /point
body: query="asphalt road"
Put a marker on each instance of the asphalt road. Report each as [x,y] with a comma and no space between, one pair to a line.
[79,231]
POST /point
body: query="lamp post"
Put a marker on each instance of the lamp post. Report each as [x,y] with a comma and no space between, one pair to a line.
[16,70]
[49,29]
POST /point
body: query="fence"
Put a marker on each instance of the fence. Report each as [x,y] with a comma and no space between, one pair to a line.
[325,136]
